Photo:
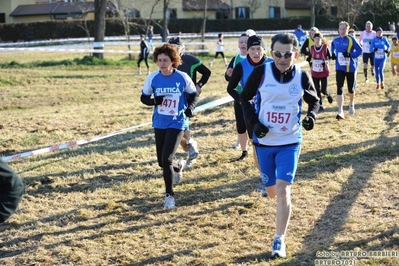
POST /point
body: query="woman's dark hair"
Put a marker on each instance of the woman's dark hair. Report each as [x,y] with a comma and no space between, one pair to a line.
[169,50]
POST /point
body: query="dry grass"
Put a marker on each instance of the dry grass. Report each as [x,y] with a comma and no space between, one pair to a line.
[101,203]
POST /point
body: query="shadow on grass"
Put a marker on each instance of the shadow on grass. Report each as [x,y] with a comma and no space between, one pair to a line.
[141,204]
[329,225]
[322,234]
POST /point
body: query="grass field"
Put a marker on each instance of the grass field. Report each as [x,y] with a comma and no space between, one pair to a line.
[101,203]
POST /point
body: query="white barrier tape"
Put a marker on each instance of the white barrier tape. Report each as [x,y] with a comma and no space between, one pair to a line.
[76,143]
[91,39]
[69,144]
[36,49]
[156,37]
[85,50]
[212,104]
[108,40]
[155,44]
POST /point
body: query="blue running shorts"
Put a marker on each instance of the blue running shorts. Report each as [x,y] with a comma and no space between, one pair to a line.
[279,162]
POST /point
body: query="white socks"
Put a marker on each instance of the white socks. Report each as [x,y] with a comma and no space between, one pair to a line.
[340,103]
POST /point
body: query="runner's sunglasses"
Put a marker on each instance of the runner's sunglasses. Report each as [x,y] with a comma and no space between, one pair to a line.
[280,54]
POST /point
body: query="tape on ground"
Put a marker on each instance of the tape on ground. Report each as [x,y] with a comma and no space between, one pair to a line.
[97,138]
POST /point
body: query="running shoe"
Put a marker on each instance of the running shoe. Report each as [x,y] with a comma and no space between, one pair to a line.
[278,248]
[352,109]
[340,116]
[169,202]
[243,156]
[178,171]
[192,150]
[329,98]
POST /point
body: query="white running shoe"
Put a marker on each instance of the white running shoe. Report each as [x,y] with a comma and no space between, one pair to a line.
[278,248]
[169,202]
[352,109]
[192,150]
[178,171]
[340,116]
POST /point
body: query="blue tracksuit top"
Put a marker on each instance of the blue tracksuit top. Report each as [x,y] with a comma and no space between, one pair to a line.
[340,45]
[382,45]
[247,68]
[169,114]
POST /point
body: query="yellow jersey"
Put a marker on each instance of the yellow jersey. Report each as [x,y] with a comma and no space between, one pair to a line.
[395,54]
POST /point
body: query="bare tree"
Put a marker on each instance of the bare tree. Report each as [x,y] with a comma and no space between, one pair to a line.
[123,16]
[99,24]
[253,6]
[347,9]
[312,13]
[204,23]
[352,10]
[165,20]
[84,19]
[147,22]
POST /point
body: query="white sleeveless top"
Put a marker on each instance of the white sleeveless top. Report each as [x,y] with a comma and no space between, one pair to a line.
[279,107]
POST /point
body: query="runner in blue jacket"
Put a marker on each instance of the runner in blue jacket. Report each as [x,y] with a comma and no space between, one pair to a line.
[380,46]
[345,49]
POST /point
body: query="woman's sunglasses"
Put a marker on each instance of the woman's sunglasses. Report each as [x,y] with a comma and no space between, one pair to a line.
[280,54]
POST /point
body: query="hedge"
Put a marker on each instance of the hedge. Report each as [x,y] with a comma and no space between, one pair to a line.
[29,31]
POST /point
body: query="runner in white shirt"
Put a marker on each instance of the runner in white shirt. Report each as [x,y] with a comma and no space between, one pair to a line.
[365,40]
[219,50]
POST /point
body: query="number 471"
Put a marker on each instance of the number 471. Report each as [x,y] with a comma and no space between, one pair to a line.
[169,103]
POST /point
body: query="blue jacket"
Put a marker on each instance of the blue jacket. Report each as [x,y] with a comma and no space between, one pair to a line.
[299,33]
[339,46]
[380,46]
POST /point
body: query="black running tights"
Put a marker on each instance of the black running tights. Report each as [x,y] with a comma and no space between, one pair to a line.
[167,141]
[320,89]
[340,78]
